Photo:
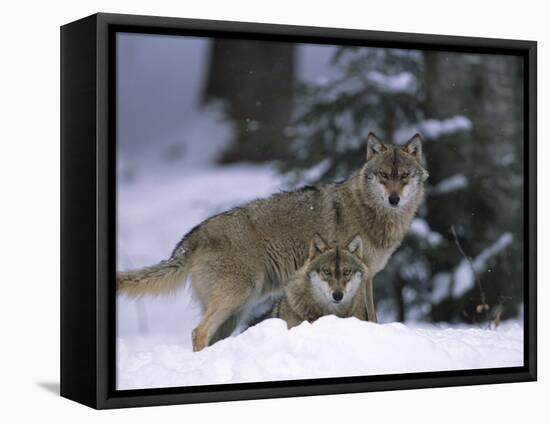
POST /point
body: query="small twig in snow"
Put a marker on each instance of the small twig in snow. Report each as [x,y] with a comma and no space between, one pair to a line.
[483,307]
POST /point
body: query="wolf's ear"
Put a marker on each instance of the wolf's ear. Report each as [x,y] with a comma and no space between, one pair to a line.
[414,147]
[356,246]
[374,146]
[317,246]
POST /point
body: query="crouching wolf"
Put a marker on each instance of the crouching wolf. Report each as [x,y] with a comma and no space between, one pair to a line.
[330,282]
[242,257]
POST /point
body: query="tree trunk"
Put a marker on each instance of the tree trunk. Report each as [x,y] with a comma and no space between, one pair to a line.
[255,79]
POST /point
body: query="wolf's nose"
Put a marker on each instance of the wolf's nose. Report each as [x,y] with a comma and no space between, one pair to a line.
[337,295]
[394,200]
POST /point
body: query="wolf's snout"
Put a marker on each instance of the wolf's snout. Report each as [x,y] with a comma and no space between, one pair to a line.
[337,296]
[394,200]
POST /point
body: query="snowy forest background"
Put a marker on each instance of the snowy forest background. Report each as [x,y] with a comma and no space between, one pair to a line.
[204,125]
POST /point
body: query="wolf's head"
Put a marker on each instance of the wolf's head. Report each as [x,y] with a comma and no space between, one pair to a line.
[335,273]
[393,175]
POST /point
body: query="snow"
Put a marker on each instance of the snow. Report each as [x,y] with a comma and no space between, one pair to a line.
[464,277]
[480,262]
[403,82]
[314,173]
[441,283]
[345,86]
[450,184]
[419,227]
[330,347]
[433,128]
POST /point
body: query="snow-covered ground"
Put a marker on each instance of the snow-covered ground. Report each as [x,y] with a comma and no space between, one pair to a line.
[330,347]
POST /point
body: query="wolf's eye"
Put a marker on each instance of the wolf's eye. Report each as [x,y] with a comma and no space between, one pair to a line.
[347,272]
[326,271]
[383,175]
[405,175]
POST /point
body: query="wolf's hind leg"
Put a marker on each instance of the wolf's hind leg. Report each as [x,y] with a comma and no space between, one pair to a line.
[221,306]
[226,328]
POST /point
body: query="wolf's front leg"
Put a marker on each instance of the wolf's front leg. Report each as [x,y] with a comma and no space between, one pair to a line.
[285,312]
[369,298]
[359,306]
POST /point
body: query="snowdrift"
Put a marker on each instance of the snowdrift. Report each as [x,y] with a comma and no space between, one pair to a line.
[330,347]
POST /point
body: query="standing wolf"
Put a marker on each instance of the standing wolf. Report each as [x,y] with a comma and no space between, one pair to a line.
[326,284]
[242,257]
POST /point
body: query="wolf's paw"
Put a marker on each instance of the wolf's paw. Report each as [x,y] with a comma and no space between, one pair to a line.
[198,339]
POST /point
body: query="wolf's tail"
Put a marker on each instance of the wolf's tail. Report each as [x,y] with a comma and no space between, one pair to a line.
[163,277]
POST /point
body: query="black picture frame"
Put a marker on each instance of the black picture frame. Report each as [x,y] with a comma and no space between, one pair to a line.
[88,211]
